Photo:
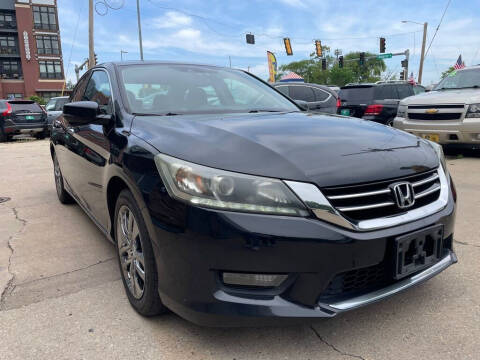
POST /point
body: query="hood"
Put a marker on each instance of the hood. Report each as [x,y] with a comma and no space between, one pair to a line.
[465,96]
[323,149]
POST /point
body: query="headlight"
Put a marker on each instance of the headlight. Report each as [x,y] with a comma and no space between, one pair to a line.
[208,187]
[473,111]
[402,111]
[441,157]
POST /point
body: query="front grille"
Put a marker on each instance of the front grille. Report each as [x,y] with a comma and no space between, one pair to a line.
[357,281]
[454,106]
[437,116]
[376,200]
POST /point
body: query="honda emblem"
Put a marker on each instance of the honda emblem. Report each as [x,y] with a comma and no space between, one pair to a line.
[404,194]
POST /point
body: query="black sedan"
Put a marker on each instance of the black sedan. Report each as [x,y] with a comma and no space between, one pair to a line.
[230,206]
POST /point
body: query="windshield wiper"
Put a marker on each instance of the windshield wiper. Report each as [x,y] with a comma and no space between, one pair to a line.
[149,114]
[263,110]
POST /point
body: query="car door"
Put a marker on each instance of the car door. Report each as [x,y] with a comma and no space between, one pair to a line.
[90,150]
[65,142]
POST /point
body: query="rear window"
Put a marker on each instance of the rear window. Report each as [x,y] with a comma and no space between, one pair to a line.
[25,107]
[358,95]
[405,91]
[386,92]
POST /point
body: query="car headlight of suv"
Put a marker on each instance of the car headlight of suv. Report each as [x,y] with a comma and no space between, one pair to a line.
[402,111]
[213,188]
[473,111]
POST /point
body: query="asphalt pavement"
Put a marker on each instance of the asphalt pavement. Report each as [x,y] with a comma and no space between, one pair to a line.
[62,297]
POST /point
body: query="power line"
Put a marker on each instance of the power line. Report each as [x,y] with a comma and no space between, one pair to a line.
[438,27]
[73,44]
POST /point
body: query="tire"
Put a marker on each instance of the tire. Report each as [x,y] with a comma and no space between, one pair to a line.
[133,248]
[3,137]
[63,196]
[40,136]
[389,122]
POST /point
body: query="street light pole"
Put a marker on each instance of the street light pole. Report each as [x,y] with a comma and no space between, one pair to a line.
[422,57]
[91,51]
[139,30]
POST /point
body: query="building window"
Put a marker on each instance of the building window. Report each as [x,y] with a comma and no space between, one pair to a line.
[48,44]
[10,69]
[44,17]
[14,96]
[8,44]
[50,69]
[7,21]
[47,95]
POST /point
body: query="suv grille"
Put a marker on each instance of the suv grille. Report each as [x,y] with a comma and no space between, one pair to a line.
[376,200]
[437,116]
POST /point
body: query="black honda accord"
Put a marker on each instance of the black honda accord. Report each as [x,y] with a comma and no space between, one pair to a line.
[230,206]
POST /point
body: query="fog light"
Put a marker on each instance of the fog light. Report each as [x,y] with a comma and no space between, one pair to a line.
[263,280]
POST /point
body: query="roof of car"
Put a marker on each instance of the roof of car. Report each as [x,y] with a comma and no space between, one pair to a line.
[158,62]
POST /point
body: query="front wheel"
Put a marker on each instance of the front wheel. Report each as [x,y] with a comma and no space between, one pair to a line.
[135,257]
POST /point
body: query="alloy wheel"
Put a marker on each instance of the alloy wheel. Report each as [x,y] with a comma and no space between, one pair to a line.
[58,176]
[130,250]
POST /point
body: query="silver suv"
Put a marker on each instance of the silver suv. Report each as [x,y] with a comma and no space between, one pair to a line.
[450,114]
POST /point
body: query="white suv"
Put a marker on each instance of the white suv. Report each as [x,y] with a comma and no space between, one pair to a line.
[450,114]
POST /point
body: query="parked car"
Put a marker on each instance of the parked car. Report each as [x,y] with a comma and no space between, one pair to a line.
[22,117]
[318,98]
[376,102]
[54,109]
[449,114]
[230,206]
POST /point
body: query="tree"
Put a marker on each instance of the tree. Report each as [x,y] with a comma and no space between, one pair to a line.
[311,69]
[39,100]
[446,72]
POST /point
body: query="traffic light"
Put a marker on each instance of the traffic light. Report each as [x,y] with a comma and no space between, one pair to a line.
[362,59]
[288,46]
[403,75]
[250,39]
[382,45]
[96,59]
[324,64]
[340,61]
[405,63]
[318,48]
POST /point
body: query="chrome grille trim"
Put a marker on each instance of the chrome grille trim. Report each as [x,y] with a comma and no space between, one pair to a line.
[351,196]
[365,207]
[425,181]
[324,210]
[427,192]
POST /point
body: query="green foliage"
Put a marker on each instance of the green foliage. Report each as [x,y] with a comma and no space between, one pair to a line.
[446,72]
[311,69]
[37,99]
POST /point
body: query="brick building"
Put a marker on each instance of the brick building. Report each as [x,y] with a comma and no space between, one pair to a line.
[30,50]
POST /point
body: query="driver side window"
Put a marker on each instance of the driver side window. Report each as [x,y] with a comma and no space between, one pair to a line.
[98,90]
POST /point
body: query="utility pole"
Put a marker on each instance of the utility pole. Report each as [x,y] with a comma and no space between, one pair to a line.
[139,30]
[91,50]
[422,57]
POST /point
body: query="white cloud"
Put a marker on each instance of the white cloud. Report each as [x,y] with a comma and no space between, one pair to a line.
[294,3]
[172,19]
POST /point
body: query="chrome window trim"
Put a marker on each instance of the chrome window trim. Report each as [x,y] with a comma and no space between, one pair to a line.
[323,210]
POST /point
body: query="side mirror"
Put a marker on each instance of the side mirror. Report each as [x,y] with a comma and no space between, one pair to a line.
[84,112]
[302,104]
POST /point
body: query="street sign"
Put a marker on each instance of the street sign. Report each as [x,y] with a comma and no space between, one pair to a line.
[384,56]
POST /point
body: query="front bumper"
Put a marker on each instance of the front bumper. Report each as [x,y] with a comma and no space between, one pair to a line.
[465,131]
[193,246]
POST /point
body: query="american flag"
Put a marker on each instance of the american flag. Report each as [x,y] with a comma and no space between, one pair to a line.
[459,64]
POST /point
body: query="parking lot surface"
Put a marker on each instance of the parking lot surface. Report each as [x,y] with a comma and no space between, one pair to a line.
[62,297]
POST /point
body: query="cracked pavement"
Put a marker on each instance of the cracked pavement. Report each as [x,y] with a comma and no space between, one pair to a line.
[61,294]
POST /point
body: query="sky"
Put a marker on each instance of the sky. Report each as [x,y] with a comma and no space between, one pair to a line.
[213,31]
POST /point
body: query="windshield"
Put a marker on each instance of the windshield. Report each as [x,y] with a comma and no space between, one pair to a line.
[192,89]
[460,80]
[357,95]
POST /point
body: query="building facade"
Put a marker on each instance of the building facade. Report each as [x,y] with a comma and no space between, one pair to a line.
[30,50]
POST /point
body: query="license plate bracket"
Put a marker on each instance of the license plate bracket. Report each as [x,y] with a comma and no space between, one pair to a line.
[417,251]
